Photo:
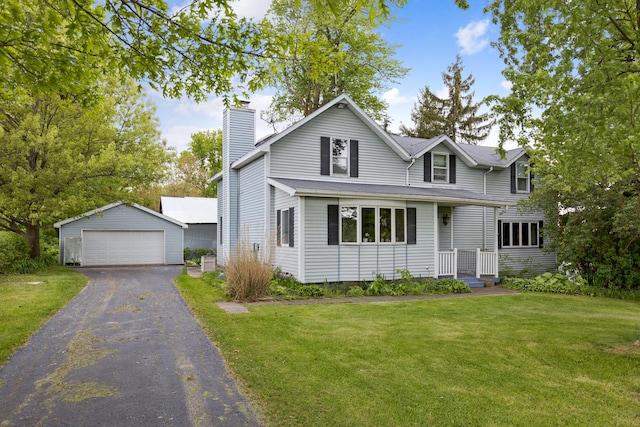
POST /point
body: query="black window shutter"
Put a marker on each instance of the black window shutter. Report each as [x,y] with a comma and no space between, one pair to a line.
[427,167]
[499,234]
[353,158]
[291,227]
[278,231]
[452,168]
[513,178]
[332,222]
[540,243]
[530,178]
[411,226]
[325,155]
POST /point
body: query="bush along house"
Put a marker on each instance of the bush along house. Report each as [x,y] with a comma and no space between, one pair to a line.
[336,198]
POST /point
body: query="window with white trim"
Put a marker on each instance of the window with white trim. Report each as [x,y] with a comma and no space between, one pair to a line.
[522,177]
[339,156]
[368,224]
[520,234]
[440,167]
[284,223]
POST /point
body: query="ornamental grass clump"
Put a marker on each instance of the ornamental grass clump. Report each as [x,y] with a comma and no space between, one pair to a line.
[248,271]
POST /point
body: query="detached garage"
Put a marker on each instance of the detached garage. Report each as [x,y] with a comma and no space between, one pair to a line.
[118,234]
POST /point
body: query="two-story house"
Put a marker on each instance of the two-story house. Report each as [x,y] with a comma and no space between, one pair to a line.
[336,198]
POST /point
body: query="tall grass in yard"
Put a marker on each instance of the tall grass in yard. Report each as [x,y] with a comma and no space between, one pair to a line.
[249,271]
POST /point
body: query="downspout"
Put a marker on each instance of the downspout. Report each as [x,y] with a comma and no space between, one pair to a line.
[413,160]
[484,209]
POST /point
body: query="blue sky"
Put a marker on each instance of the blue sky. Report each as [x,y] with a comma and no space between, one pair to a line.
[429,34]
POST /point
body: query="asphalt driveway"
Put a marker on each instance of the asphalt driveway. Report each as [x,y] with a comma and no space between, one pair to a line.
[126,351]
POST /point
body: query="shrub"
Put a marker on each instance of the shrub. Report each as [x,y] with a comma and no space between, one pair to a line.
[14,252]
[194,255]
[561,284]
[449,285]
[313,291]
[248,272]
[355,291]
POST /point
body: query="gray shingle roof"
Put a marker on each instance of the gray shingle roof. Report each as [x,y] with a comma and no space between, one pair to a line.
[346,189]
[483,155]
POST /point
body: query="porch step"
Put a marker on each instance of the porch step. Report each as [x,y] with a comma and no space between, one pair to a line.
[473,281]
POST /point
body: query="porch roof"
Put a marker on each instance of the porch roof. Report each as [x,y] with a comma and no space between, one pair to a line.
[301,187]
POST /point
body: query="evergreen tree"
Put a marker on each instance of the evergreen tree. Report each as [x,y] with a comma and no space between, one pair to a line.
[455,116]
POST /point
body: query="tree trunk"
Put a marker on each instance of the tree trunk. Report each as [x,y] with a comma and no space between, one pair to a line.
[33,239]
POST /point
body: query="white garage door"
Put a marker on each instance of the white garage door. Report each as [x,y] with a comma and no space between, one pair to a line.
[122,247]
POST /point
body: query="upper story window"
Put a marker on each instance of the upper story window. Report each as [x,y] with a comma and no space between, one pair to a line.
[521,177]
[338,157]
[440,168]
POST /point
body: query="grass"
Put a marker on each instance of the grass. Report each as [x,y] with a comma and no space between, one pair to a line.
[530,359]
[28,301]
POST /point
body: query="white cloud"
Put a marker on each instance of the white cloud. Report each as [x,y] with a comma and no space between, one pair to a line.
[472,37]
[251,9]
[506,84]
[393,97]
[443,93]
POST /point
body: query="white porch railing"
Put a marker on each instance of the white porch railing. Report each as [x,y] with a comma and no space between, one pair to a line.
[475,262]
[448,263]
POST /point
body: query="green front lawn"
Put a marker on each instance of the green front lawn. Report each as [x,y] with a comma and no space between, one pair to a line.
[28,301]
[530,359]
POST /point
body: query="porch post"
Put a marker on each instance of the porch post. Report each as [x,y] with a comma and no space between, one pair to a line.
[455,263]
[495,241]
[478,263]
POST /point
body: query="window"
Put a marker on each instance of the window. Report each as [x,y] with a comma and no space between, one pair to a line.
[284,220]
[369,225]
[519,234]
[349,224]
[440,167]
[339,157]
[522,177]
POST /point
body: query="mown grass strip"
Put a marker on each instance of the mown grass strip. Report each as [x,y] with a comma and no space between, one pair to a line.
[28,301]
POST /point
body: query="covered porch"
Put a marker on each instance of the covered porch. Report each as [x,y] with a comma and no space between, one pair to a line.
[466,257]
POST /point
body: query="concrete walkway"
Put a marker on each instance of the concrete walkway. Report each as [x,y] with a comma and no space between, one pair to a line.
[126,351]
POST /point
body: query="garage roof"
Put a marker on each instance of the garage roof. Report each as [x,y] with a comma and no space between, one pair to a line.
[190,210]
[113,205]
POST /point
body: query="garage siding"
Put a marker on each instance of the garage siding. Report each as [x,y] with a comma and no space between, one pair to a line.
[123,217]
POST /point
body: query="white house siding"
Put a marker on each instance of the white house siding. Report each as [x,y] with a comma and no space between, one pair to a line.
[286,257]
[125,217]
[346,262]
[297,155]
[252,203]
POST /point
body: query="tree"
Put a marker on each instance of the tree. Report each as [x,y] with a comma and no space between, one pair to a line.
[58,45]
[575,74]
[455,116]
[60,157]
[206,147]
[329,51]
